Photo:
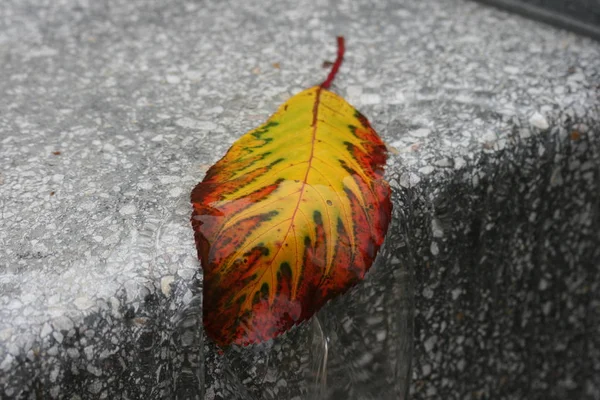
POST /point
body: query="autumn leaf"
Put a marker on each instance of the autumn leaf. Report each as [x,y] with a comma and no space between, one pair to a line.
[293,215]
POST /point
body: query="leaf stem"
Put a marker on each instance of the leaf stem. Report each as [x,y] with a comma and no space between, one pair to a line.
[336,64]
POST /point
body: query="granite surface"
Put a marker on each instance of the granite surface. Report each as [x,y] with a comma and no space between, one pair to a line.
[110,112]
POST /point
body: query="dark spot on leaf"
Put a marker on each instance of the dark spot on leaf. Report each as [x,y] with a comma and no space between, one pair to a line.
[264,290]
[329,203]
[286,270]
[317,218]
[306,241]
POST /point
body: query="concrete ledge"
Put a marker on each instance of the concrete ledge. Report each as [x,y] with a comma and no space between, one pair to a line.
[507,294]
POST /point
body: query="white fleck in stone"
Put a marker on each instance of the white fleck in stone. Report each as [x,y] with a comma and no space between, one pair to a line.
[509,69]
[539,121]
[397,98]
[95,387]
[7,362]
[187,273]
[58,336]
[73,353]
[187,122]
[52,351]
[547,307]
[145,185]
[194,75]
[108,147]
[187,297]
[54,374]
[157,138]
[175,192]
[173,79]
[434,249]
[456,293]
[94,370]
[429,343]
[488,137]
[128,209]
[428,293]
[354,91]
[461,364]
[14,304]
[426,170]
[524,133]
[62,323]
[409,180]
[83,302]
[165,284]
[581,128]
[46,330]
[282,383]
[89,352]
[43,51]
[58,178]
[381,335]
[215,110]
[126,142]
[6,334]
[165,179]
[444,163]
[370,98]
[423,132]
[13,349]
[364,360]
[543,285]
[426,369]
[55,391]
[437,228]
[577,77]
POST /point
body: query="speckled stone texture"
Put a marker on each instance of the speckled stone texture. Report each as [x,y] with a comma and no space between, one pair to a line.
[581,16]
[110,112]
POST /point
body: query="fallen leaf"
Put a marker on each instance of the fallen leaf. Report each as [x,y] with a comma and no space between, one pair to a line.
[293,215]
